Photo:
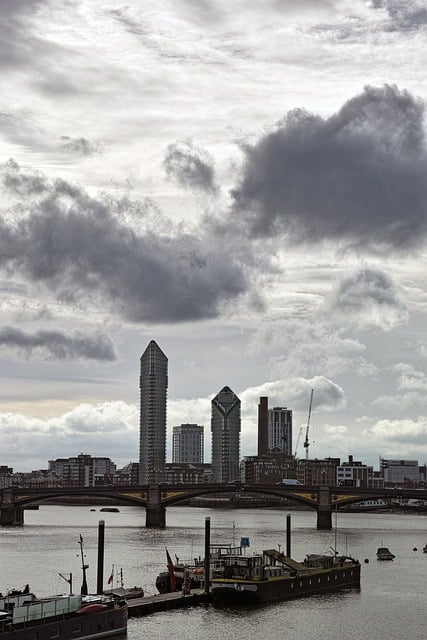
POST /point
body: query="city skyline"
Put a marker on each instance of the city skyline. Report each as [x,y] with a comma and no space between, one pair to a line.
[242,184]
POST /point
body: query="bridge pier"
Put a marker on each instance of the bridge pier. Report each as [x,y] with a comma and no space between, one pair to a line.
[155,511]
[11,516]
[324,509]
[155,517]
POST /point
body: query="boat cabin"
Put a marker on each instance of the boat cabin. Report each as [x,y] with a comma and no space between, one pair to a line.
[244,567]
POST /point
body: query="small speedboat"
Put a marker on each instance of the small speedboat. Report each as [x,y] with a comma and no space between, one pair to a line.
[384,553]
[425,548]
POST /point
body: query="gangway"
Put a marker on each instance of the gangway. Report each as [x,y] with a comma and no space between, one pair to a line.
[283,559]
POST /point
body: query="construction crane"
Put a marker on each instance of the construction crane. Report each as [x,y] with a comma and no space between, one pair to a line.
[306,441]
[298,439]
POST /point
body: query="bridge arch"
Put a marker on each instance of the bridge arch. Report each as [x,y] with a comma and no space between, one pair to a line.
[156,498]
[175,497]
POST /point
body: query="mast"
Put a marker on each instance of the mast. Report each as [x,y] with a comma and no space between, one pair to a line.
[83,589]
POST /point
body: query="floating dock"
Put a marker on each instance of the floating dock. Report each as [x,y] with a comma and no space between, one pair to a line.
[165,601]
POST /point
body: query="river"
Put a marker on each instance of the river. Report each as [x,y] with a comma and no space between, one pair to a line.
[391,603]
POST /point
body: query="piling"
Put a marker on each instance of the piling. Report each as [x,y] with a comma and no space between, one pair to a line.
[288,535]
[100,573]
[207,552]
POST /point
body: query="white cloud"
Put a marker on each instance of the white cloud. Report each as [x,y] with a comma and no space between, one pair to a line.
[394,433]
[410,379]
[109,429]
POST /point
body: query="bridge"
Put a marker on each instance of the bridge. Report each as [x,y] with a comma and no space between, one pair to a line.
[155,498]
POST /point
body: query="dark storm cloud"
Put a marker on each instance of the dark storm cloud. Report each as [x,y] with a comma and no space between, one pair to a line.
[190,166]
[405,15]
[357,177]
[48,345]
[82,252]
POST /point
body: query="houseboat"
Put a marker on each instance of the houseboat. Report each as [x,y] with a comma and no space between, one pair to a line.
[271,576]
[23,616]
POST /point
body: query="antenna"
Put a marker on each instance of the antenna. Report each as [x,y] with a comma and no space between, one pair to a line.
[306,441]
[69,580]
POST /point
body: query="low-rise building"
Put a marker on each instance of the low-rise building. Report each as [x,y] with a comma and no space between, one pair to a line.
[317,472]
[267,469]
[188,472]
[353,474]
[83,470]
[6,476]
[402,473]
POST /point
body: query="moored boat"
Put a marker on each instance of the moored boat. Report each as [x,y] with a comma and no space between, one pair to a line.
[384,553]
[23,616]
[271,576]
[425,548]
[173,579]
[367,505]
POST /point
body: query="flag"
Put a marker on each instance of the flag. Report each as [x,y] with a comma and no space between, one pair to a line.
[171,571]
[110,579]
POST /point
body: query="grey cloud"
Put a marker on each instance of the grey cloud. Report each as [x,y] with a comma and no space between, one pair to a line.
[76,247]
[190,166]
[78,146]
[55,68]
[20,183]
[369,297]
[58,345]
[356,177]
[214,12]
[405,15]
[327,396]
[10,8]
[366,283]
[20,128]
[15,40]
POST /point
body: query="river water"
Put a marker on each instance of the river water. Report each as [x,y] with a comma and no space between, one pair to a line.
[391,603]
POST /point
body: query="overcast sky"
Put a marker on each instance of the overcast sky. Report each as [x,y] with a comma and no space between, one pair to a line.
[246,184]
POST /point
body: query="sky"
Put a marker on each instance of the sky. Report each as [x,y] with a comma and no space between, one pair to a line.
[244,183]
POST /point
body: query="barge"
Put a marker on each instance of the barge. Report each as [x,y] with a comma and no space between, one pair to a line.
[271,576]
[23,616]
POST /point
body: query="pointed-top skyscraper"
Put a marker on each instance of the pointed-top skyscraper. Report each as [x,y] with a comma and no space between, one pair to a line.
[153,385]
[225,427]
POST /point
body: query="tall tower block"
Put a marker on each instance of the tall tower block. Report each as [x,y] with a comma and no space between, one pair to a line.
[263,426]
[153,385]
[225,427]
[187,443]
